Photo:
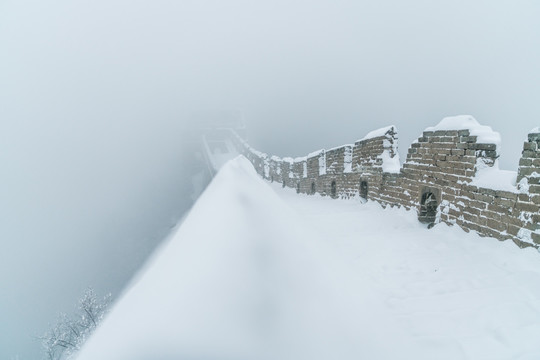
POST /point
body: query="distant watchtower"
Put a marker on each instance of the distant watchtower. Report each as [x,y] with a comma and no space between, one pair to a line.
[216,121]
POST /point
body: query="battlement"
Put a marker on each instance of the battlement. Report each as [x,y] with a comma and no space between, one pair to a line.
[450,175]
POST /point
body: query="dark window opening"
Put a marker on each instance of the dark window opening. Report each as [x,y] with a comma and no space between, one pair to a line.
[364,190]
[428,208]
[333,189]
[312,188]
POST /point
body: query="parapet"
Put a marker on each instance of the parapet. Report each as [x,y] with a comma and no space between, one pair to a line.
[450,175]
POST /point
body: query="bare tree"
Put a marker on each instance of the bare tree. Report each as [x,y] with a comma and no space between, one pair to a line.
[68,335]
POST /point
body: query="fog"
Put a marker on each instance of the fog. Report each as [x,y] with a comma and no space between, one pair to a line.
[96,97]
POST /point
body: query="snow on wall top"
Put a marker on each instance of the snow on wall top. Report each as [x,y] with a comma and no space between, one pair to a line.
[496,179]
[484,134]
[379,132]
[341,146]
[315,153]
[390,155]
[390,164]
[348,159]
[322,163]
[288,160]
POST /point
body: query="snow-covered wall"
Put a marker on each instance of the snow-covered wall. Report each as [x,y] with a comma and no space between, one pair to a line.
[450,175]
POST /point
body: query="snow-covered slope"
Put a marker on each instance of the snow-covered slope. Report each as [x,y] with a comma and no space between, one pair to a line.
[260,272]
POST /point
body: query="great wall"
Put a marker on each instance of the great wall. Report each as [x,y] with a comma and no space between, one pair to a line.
[450,175]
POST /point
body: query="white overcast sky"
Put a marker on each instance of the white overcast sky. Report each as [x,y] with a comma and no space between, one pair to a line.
[95,96]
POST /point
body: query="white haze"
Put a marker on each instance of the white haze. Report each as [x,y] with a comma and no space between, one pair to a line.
[96,97]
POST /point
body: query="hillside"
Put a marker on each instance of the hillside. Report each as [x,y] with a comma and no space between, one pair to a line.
[260,272]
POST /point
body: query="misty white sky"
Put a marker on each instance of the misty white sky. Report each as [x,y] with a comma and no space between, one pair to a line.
[95,98]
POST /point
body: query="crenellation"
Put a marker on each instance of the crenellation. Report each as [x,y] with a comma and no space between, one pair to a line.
[437,179]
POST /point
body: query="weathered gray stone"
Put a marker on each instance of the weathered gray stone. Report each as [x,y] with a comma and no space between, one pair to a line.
[525,162]
[438,161]
[534,137]
[468,139]
[530,146]
[527,207]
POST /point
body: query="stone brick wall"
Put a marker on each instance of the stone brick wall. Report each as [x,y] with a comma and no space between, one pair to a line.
[437,179]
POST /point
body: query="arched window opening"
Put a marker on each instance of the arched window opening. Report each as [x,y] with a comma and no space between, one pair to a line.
[364,190]
[428,208]
[312,188]
[333,189]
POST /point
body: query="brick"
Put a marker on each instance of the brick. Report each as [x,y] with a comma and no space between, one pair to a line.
[497,225]
[535,199]
[530,146]
[525,162]
[536,218]
[527,207]
[535,238]
[472,211]
[468,139]
[487,153]
[534,137]
[489,192]
[512,229]
[525,171]
[521,244]
[507,195]
[513,219]
[470,189]
[494,215]
[504,202]
[528,154]
[471,217]
[478,204]
[488,147]
[533,180]
[469,159]
[483,197]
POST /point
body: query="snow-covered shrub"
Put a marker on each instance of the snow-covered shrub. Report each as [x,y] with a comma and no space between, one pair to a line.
[68,335]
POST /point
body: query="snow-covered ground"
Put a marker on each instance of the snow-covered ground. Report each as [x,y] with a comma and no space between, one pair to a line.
[260,272]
